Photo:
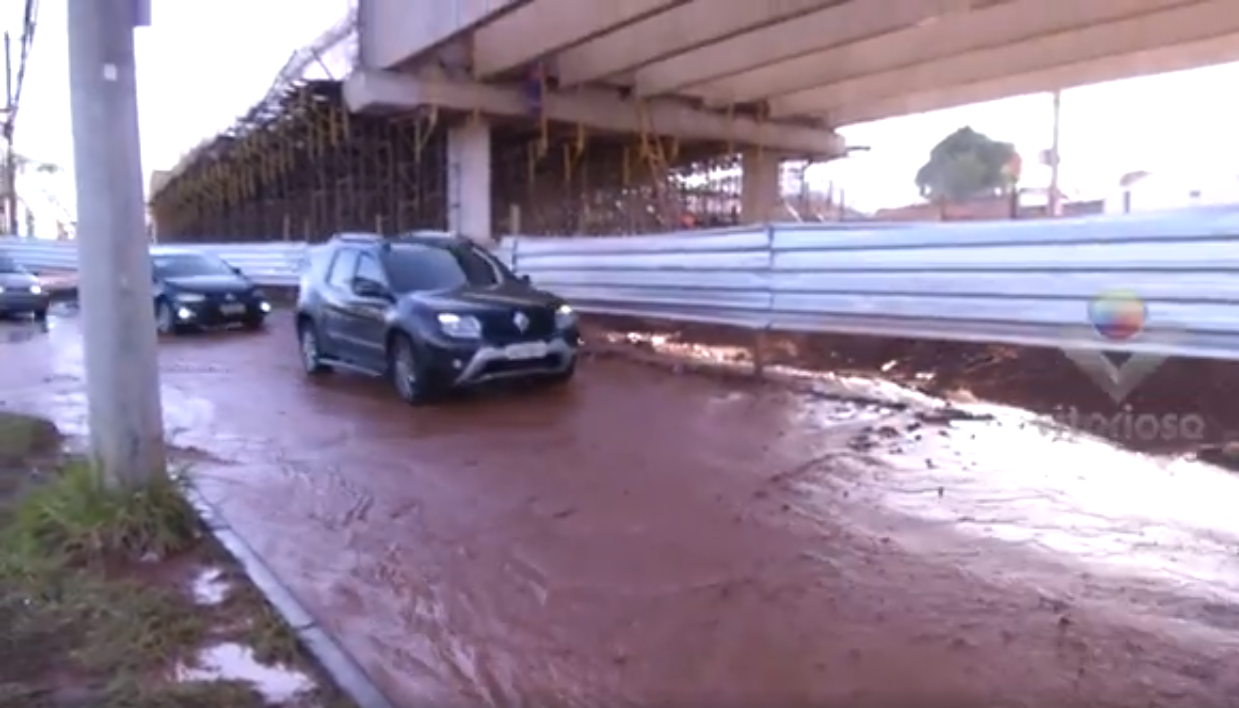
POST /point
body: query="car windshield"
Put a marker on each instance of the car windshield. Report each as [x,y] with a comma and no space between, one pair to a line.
[9,266]
[412,267]
[181,265]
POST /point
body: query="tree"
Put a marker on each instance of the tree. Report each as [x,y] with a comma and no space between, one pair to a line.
[968,165]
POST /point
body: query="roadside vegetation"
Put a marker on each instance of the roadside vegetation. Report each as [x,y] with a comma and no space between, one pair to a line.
[114,599]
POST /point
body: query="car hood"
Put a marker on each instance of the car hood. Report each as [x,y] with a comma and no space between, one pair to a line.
[476,298]
[211,283]
[17,280]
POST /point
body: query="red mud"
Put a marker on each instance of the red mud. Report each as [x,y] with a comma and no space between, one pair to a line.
[643,538]
[1042,380]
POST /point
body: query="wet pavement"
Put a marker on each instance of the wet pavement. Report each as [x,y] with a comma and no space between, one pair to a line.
[647,538]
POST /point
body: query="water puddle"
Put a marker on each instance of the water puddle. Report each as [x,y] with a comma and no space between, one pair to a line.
[1160,531]
[236,662]
[209,587]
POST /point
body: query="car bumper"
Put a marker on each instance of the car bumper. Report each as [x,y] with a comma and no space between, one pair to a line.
[468,364]
[211,314]
[21,302]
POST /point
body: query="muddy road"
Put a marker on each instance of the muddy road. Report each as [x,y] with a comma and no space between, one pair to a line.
[646,538]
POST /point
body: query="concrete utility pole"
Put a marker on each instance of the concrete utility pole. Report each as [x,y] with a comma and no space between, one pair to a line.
[122,375]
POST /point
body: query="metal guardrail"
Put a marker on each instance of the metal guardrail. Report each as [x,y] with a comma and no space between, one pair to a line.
[1022,282]
[273,264]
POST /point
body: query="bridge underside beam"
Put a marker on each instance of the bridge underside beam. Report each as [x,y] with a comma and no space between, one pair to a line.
[1106,42]
[376,91]
[1218,50]
[841,24]
[907,51]
[681,29]
[393,32]
[546,26]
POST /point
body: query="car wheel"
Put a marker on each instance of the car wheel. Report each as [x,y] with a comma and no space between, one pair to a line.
[409,375]
[165,319]
[311,354]
[40,315]
[254,323]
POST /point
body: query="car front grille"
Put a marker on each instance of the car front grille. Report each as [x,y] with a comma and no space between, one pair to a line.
[502,327]
[223,298]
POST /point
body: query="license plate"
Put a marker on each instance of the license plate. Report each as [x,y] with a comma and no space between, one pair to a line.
[234,308]
[527,350]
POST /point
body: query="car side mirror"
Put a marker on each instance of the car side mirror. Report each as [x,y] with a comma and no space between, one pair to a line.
[364,287]
[236,270]
[526,280]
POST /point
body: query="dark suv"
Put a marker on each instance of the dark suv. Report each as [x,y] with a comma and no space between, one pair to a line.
[432,312]
[197,290]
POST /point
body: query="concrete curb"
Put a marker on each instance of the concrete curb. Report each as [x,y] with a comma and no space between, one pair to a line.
[340,667]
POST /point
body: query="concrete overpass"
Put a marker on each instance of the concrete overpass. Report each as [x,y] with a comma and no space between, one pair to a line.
[779,75]
[815,62]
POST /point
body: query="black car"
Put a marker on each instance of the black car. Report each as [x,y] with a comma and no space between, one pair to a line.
[21,293]
[432,312]
[195,290]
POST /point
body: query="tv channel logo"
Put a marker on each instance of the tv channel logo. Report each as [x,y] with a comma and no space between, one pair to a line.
[1120,317]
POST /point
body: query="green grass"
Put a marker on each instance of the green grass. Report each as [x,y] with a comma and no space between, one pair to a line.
[79,520]
[90,614]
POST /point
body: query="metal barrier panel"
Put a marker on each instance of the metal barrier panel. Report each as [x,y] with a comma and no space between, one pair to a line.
[718,276]
[275,264]
[1031,283]
[40,255]
[1021,282]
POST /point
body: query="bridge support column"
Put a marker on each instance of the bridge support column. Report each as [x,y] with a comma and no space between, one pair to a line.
[469,182]
[761,200]
[760,190]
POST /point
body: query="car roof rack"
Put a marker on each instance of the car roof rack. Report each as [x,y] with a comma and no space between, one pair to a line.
[357,237]
[428,235]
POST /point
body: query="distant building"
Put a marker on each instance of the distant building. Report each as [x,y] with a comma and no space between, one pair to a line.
[1157,191]
[1032,204]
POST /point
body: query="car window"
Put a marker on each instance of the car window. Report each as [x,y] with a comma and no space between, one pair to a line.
[342,269]
[8,265]
[413,267]
[368,267]
[183,265]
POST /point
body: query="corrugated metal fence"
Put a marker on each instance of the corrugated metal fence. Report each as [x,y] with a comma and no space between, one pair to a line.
[1032,282]
[268,263]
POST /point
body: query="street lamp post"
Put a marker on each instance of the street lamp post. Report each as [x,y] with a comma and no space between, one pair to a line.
[1055,201]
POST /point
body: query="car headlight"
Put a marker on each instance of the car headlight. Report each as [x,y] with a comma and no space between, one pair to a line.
[1,288]
[462,326]
[565,317]
[190,297]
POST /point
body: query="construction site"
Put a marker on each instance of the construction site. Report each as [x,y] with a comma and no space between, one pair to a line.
[299,166]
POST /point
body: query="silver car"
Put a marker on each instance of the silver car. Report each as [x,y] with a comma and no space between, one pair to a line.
[21,293]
